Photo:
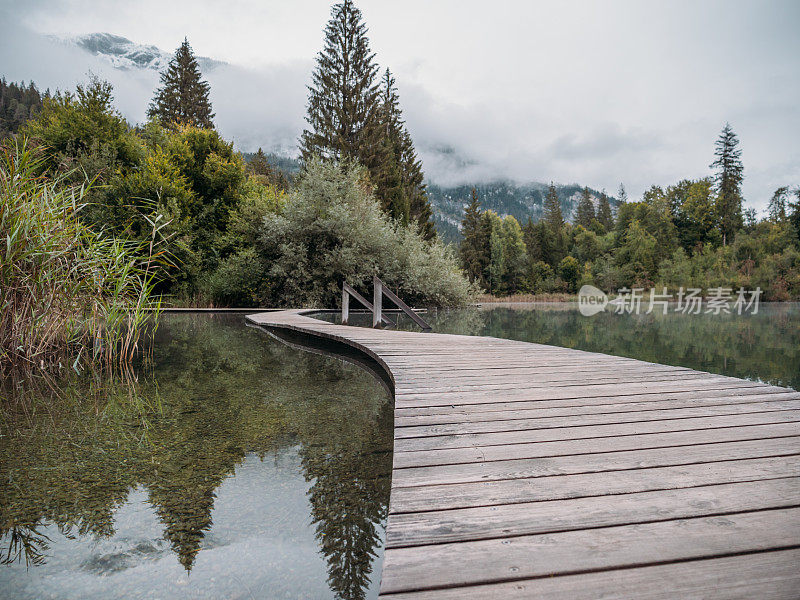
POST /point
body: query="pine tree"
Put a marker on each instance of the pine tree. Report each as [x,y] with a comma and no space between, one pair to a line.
[343,101]
[622,195]
[728,181]
[390,189]
[552,209]
[351,116]
[604,214]
[794,215]
[474,249]
[776,210]
[402,161]
[259,165]
[182,98]
[420,209]
[584,214]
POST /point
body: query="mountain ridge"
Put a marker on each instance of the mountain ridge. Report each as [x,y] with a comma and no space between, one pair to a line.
[124,54]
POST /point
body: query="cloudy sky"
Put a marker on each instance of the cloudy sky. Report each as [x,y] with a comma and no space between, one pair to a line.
[593,92]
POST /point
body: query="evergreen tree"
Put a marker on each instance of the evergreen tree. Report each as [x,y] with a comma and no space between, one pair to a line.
[474,249]
[420,209]
[552,209]
[794,215]
[182,98]
[496,267]
[343,110]
[352,116]
[604,214]
[18,103]
[728,181]
[584,214]
[393,195]
[260,166]
[776,210]
[401,185]
[514,256]
[622,195]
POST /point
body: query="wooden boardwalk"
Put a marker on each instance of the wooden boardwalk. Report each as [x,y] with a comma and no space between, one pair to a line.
[531,471]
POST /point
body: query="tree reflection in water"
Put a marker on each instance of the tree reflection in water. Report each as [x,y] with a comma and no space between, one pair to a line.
[70,455]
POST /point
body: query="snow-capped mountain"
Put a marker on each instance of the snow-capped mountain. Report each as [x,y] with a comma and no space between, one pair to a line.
[124,54]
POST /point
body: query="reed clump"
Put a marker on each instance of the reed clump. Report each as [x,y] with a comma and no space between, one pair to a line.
[67,293]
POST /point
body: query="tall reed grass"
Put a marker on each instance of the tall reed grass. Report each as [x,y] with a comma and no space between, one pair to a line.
[67,293]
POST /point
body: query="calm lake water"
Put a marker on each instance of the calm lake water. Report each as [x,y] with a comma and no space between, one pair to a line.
[232,467]
[763,346]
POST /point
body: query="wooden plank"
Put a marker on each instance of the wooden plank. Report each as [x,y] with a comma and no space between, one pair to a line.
[446,415]
[485,522]
[763,576]
[499,424]
[555,461]
[601,401]
[592,438]
[411,400]
[559,487]
[402,305]
[487,561]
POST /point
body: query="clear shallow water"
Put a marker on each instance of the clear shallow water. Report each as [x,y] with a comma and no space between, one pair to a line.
[764,346]
[232,467]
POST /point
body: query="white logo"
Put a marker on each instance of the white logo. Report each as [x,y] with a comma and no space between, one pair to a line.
[591,300]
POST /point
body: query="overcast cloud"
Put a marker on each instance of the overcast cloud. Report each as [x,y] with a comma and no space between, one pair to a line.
[593,92]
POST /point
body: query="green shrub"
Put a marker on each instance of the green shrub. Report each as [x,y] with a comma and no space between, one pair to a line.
[331,229]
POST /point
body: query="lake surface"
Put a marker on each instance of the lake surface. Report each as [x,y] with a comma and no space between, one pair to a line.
[232,466]
[763,346]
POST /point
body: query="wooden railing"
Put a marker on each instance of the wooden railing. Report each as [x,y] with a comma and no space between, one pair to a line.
[376,306]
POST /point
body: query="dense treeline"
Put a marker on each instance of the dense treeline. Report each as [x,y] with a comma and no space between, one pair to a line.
[18,103]
[692,234]
[230,231]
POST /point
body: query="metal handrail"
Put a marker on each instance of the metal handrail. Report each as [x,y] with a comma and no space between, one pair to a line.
[376,307]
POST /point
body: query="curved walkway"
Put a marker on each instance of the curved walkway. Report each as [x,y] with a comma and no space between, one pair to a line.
[531,471]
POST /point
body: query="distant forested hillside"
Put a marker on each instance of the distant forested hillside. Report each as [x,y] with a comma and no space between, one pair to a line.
[286,165]
[18,103]
[503,197]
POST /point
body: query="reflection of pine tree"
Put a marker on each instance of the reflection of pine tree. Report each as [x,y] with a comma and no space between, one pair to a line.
[200,454]
[349,498]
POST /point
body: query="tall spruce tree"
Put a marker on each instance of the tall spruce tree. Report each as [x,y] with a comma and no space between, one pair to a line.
[353,116]
[776,209]
[584,214]
[622,195]
[182,98]
[414,185]
[392,192]
[604,214]
[474,249]
[728,182]
[343,110]
[259,165]
[552,209]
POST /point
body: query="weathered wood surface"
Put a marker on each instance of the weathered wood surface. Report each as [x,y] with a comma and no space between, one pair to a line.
[531,471]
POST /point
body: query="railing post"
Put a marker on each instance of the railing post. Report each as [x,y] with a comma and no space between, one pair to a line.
[345,305]
[377,301]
